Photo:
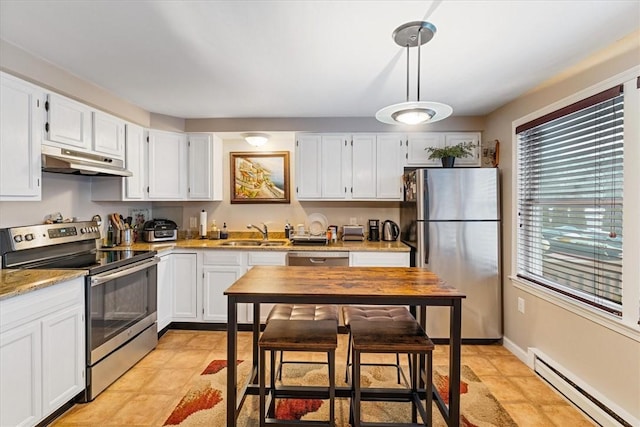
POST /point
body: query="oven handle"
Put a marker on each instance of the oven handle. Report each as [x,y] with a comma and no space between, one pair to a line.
[99,279]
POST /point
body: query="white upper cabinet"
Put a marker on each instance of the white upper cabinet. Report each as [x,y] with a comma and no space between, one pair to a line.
[390,158]
[321,166]
[417,143]
[167,165]
[21,104]
[362,166]
[108,134]
[465,137]
[308,184]
[363,170]
[333,162]
[136,162]
[417,155]
[68,123]
[205,166]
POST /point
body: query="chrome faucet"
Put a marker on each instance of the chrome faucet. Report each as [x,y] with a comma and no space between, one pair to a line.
[264,231]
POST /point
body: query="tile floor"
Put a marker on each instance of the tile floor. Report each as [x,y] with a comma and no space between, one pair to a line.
[147,394]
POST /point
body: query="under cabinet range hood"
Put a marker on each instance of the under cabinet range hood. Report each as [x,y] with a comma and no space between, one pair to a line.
[61,160]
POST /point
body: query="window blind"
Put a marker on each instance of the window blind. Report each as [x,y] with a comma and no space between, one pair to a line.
[570,165]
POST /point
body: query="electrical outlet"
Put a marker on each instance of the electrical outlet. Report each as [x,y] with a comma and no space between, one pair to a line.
[353,221]
[521,305]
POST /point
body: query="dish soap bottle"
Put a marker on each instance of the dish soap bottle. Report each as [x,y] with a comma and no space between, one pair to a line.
[215,233]
[224,234]
[287,230]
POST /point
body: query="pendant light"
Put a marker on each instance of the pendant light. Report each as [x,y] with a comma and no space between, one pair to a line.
[414,34]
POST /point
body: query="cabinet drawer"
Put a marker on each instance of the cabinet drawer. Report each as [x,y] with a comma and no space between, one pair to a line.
[266,258]
[379,259]
[222,258]
[33,305]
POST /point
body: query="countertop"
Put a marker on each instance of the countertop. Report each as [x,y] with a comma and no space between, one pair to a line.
[18,282]
[364,246]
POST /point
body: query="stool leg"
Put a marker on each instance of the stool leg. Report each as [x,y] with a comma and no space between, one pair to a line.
[398,365]
[332,388]
[262,387]
[280,365]
[346,369]
[429,386]
[355,380]
[272,384]
[414,388]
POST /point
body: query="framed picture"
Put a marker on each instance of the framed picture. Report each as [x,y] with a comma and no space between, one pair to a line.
[260,177]
[491,153]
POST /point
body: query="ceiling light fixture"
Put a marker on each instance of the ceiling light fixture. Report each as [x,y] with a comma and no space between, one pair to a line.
[256,139]
[414,34]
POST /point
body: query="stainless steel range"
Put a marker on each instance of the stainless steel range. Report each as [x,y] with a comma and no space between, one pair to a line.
[120,292]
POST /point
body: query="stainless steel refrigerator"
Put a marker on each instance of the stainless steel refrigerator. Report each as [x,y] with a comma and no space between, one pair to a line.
[450,217]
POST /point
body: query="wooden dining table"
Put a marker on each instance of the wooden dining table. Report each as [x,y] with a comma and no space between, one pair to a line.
[409,286]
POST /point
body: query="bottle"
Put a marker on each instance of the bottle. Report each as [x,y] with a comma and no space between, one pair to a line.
[287,230]
[224,233]
[110,236]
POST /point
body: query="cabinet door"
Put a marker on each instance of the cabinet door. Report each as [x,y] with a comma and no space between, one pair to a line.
[308,182]
[136,161]
[108,134]
[363,166]
[167,165]
[379,259]
[334,184]
[20,138]
[416,144]
[216,279]
[68,122]
[63,357]
[165,287]
[185,284]
[20,370]
[465,137]
[200,167]
[390,157]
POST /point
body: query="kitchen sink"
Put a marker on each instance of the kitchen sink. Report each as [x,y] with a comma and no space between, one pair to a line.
[241,243]
[254,243]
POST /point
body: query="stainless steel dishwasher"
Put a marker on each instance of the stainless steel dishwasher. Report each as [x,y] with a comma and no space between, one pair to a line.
[318,258]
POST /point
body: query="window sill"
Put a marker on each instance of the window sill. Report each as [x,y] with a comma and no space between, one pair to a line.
[606,320]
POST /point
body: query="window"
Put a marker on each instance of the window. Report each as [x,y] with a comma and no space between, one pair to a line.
[570,186]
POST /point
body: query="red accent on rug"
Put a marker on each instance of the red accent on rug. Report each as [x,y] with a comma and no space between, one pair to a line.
[216,366]
[295,409]
[442,384]
[193,402]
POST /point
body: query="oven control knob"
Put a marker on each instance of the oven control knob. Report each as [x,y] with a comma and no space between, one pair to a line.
[17,238]
[83,230]
[28,237]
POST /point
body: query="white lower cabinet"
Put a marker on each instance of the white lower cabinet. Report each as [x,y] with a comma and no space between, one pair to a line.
[185,287]
[42,350]
[379,259]
[219,270]
[165,289]
[264,258]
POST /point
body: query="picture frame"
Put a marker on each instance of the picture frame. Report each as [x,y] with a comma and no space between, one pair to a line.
[259,177]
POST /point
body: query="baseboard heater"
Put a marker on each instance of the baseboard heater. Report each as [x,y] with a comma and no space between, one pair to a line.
[592,403]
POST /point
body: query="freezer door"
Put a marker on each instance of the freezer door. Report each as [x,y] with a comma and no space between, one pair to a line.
[466,256]
[460,194]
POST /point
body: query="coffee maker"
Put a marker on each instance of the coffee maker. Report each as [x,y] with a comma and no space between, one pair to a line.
[374,230]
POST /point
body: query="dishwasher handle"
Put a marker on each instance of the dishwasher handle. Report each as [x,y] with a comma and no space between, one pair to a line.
[318,254]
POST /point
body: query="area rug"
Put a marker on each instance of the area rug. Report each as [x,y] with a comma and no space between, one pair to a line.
[204,404]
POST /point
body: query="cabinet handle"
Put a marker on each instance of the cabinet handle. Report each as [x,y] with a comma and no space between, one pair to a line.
[46,105]
[46,127]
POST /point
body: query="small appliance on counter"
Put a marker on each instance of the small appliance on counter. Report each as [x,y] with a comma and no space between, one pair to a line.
[374,230]
[390,231]
[353,233]
[159,230]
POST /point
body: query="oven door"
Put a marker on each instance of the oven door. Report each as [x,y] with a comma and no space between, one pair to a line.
[121,303]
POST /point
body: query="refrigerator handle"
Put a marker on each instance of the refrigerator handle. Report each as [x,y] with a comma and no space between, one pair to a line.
[422,259]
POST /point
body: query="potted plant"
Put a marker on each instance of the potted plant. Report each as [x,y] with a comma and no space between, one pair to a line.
[449,153]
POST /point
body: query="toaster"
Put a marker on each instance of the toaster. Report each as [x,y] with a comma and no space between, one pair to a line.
[159,230]
[353,233]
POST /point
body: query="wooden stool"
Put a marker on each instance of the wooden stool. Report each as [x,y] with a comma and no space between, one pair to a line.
[393,337]
[375,313]
[301,312]
[297,335]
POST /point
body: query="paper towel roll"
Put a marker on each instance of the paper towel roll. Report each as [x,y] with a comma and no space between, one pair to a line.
[203,224]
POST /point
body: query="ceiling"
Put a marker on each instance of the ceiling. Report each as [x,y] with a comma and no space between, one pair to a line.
[227,59]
